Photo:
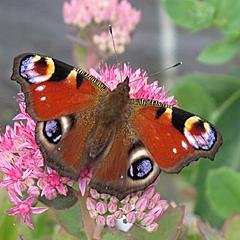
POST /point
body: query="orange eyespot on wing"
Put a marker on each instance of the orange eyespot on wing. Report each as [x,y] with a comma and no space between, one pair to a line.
[53,88]
[175,137]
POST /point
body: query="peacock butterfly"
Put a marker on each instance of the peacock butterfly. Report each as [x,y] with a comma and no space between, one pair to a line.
[127,142]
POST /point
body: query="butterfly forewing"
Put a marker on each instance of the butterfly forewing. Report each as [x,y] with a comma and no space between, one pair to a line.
[175,137]
[53,88]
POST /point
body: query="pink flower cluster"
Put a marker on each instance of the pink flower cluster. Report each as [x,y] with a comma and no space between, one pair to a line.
[24,174]
[142,209]
[94,16]
[138,82]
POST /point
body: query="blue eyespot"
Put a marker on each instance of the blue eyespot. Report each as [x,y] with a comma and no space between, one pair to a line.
[52,130]
[140,169]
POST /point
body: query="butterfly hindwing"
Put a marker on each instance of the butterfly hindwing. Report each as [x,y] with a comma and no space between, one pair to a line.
[53,88]
[175,137]
[127,167]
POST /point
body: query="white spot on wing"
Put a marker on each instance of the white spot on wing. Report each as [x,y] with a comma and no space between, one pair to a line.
[174,150]
[40,88]
[43,98]
[34,78]
[184,145]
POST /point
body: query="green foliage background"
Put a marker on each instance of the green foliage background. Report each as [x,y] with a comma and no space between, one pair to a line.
[217,98]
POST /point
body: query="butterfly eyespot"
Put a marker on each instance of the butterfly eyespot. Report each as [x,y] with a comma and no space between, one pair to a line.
[36,69]
[140,169]
[52,130]
[199,133]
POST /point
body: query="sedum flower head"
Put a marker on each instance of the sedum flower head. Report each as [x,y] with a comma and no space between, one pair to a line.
[91,17]
[23,172]
[141,208]
[26,178]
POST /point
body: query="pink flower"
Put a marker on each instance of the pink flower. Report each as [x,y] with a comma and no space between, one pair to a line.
[14,175]
[131,217]
[101,207]
[91,204]
[91,17]
[112,207]
[142,203]
[52,183]
[22,168]
[24,208]
[100,220]
[107,212]
[152,227]
[94,194]
[111,220]
[84,179]
[139,87]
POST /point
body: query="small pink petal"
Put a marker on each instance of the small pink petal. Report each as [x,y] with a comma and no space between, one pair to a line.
[111,220]
[134,199]
[38,210]
[100,220]
[94,194]
[127,208]
[152,227]
[105,196]
[140,215]
[118,214]
[93,214]
[147,220]
[112,207]
[142,203]
[149,192]
[84,180]
[91,204]
[157,211]
[131,217]
[62,189]
[101,207]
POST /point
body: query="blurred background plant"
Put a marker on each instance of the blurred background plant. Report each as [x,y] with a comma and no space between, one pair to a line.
[208,31]
[90,20]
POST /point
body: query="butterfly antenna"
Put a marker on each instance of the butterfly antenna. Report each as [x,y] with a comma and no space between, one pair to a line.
[167,68]
[114,47]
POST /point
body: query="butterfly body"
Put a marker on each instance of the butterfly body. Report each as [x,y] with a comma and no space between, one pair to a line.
[127,142]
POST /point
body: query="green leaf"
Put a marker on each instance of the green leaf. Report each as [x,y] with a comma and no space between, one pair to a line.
[228,155]
[61,201]
[115,236]
[227,16]
[231,227]
[71,220]
[8,228]
[191,14]
[223,192]
[169,226]
[219,52]
[219,87]
[194,98]
[60,234]
[43,227]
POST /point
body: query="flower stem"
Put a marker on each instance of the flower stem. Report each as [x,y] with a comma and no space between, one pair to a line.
[92,231]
